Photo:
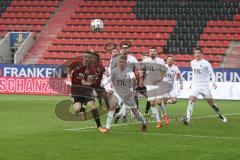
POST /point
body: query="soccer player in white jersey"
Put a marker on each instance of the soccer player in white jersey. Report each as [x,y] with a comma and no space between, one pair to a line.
[123,79]
[201,72]
[131,63]
[153,59]
[173,73]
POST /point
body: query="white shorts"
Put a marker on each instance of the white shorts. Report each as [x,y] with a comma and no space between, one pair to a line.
[128,103]
[172,93]
[108,88]
[157,91]
[202,90]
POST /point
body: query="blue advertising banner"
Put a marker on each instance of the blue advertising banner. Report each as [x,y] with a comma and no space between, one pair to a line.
[36,70]
[46,71]
[17,38]
[222,74]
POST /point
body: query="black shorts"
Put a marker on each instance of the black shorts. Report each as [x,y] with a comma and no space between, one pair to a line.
[82,100]
[99,89]
[82,94]
[142,90]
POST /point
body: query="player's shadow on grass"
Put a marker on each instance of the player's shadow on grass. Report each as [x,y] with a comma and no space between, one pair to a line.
[62,111]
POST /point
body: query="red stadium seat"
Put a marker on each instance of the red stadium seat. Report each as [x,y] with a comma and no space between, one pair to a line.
[204,36]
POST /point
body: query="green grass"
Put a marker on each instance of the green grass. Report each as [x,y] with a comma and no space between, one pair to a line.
[30,130]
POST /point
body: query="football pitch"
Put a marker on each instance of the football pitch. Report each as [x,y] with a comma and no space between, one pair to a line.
[30,130]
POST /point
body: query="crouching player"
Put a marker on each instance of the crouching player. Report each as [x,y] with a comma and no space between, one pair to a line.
[122,79]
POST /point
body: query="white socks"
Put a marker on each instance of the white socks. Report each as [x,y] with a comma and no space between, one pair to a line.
[170,101]
[155,113]
[123,110]
[162,110]
[109,119]
[190,110]
[141,119]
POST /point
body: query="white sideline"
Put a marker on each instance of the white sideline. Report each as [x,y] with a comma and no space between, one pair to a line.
[162,134]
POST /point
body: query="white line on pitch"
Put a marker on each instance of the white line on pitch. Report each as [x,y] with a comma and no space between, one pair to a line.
[210,116]
[125,124]
[165,134]
[179,135]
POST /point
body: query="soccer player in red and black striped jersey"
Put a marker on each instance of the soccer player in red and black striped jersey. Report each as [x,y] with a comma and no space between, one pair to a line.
[82,77]
[99,70]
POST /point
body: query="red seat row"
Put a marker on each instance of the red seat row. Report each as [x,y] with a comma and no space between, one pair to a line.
[222,30]
[125,22]
[22,21]
[220,51]
[225,23]
[81,41]
[35,3]
[52,61]
[213,43]
[107,3]
[30,9]
[151,29]
[98,48]
[221,37]
[103,9]
[237,17]
[26,15]
[104,16]
[36,28]
[113,35]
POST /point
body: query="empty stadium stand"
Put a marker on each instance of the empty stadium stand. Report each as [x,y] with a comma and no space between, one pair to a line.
[173,29]
[26,15]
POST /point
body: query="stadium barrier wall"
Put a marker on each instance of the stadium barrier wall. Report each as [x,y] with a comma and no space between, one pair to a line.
[5,51]
[36,79]
[23,49]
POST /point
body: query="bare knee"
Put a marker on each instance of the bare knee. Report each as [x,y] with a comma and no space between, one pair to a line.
[210,102]
[174,100]
[152,103]
[77,107]
[192,99]
[91,105]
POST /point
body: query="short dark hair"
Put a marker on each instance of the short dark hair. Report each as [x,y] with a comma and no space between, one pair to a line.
[197,48]
[127,43]
[96,54]
[168,56]
[88,52]
[153,48]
